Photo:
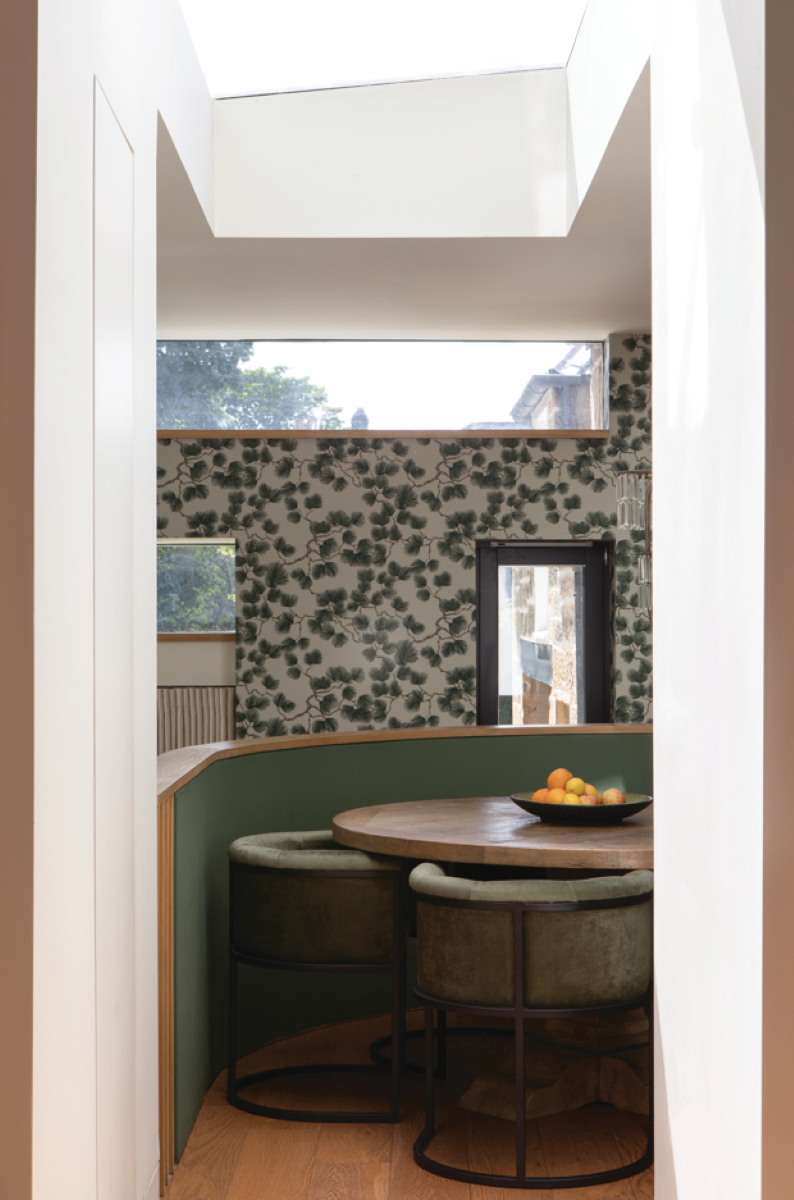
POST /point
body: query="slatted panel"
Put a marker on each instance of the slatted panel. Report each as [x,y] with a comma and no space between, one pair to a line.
[194,716]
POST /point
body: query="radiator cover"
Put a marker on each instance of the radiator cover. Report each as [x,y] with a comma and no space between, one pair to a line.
[194,716]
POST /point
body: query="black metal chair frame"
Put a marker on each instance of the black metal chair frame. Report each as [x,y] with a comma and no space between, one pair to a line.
[519,1013]
[442,1033]
[376,1050]
[396,969]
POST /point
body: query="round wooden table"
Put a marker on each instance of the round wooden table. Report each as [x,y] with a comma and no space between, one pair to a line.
[493,829]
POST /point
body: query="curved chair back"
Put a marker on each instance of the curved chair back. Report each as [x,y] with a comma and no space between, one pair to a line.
[303,898]
[584,943]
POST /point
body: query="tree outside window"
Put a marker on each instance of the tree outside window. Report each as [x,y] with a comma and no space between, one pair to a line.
[195,588]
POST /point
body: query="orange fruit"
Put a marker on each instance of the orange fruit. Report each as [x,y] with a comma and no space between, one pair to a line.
[555,796]
[559,778]
[540,796]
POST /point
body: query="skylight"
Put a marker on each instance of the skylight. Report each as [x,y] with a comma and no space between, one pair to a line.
[251,47]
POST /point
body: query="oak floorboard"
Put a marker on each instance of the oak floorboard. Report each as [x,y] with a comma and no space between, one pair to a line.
[232,1155]
[631,1132]
[325,1093]
[216,1096]
[345,1043]
[209,1160]
[581,1141]
[350,1181]
[276,1160]
[643,1185]
[355,1144]
[410,1182]
[492,1149]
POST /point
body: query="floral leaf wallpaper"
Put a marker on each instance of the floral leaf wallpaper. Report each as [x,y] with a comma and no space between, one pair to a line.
[355,557]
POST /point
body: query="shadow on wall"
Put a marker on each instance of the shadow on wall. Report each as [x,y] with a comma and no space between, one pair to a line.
[665,1181]
[355,562]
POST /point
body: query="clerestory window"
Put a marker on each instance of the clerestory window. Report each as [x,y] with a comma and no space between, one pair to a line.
[371,388]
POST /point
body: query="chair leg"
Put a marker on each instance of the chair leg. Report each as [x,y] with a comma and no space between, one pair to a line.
[521,1128]
[397,1031]
[441,1020]
[430,1082]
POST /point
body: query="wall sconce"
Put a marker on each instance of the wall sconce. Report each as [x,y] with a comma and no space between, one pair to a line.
[635,511]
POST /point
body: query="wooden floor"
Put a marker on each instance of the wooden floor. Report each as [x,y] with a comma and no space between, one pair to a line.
[233,1156]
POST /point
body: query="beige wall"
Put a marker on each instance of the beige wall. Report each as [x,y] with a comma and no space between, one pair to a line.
[195,664]
[18,27]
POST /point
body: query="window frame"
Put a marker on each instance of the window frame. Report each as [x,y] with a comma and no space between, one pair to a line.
[211,635]
[597,557]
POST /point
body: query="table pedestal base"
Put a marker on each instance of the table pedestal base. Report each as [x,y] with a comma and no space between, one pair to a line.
[570,1063]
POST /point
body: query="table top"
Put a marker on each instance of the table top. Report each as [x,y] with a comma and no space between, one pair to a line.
[493,829]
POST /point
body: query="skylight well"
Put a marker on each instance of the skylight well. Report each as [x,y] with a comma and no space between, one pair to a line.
[247,47]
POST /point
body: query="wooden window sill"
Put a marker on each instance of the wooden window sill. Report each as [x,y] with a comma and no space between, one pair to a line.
[195,637]
[396,434]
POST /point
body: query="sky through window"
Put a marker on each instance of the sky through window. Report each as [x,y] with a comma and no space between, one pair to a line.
[247,47]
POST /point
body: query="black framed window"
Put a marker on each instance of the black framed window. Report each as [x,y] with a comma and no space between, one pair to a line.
[543,633]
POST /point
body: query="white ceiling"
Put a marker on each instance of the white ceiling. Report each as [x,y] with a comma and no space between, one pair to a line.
[248,47]
[591,283]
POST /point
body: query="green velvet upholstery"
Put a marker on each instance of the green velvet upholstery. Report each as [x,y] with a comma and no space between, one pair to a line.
[571,959]
[310,920]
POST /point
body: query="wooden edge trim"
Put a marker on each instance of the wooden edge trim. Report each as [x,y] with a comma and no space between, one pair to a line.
[607,858]
[196,637]
[165,985]
[458,435]
[177,767]
[170,986]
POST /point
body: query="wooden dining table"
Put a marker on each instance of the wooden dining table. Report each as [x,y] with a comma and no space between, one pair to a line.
[494,830]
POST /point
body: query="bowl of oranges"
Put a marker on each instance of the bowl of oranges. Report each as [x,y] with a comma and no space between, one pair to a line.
[568,800]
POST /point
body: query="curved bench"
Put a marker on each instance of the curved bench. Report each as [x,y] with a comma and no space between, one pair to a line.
[211,795]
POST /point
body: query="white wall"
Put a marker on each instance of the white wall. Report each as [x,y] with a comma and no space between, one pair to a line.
[114,814]
[95,1035]
[610,52]
[509,155]
[709,416]
[473,157]
[184,102]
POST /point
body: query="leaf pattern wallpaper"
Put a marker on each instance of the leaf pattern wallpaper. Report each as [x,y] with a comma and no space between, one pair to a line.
[355,557]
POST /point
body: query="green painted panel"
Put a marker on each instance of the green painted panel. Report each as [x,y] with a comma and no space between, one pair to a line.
[304,789]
